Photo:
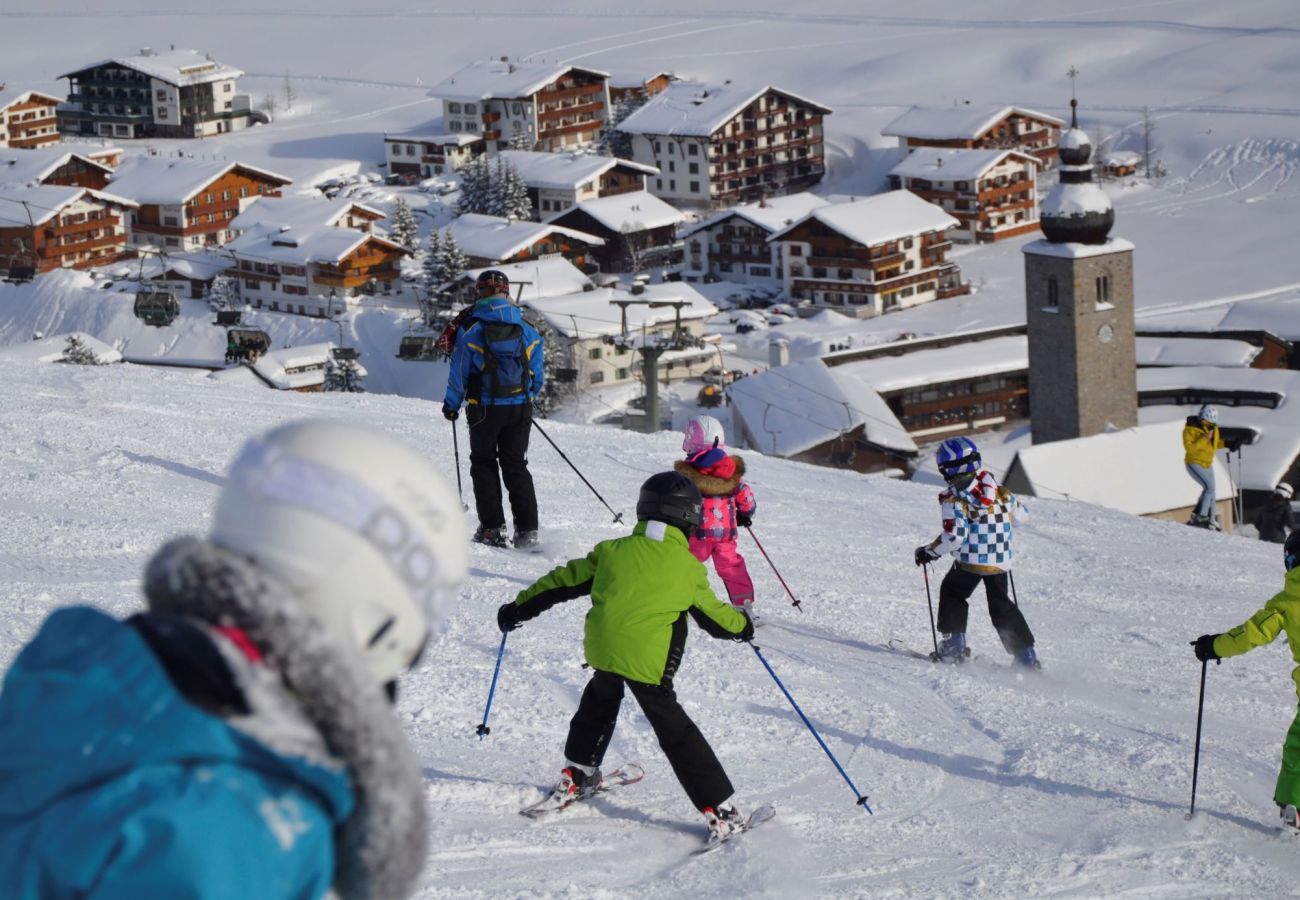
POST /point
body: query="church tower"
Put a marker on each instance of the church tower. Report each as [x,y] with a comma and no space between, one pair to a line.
[1079,306]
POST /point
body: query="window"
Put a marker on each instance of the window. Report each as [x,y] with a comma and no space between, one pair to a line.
[227,88]
[1103,289]
[672,184]
[162,112]
[453,107]
[796,250]
[208,198]
[454,125]
[596,377]
[225,195]
[518,109]
[250,284]
[695,187]
[161,95]
[672,166]
[243,191]
[659,184]
[692,150]
[471,127]
[230,214]
[672,148]
[410,149]
[658,149]
[622,374]
[470,109]
[1053,292]
[169,220]
[695,168]
[593,353]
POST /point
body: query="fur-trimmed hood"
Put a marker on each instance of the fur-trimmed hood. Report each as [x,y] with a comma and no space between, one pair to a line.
[711,485]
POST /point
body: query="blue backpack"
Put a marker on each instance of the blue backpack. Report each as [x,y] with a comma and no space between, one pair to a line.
[506,373]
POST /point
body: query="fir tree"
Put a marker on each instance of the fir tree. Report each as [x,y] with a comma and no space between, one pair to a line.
[520,140]
[454,262]
[344,375]
[611,141]
[555,392]
[404,229]
[223,293]
[509,192]
[77,353]
[433,261]
[475,187]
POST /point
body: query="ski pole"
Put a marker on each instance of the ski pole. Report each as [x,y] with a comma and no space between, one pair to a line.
[618,517]
[774,569]
[934,635]
[455,447]
[862,798]
[1196,753]
[1014,599]
[483,731]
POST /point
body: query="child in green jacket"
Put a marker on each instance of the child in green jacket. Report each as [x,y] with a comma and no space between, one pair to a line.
[642,588]
[1281,613]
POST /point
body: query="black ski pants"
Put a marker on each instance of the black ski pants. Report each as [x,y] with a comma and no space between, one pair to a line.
[1008,621]
[498,451]
[693,760]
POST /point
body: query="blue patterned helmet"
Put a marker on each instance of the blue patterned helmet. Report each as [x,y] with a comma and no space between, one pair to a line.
[956,457]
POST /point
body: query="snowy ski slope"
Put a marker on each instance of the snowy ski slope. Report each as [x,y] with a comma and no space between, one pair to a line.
[984,782]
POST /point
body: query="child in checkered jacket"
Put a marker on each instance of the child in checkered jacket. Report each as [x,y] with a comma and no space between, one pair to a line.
[979,519]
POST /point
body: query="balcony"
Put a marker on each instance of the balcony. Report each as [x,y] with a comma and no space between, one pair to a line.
[490,117]
[580,109]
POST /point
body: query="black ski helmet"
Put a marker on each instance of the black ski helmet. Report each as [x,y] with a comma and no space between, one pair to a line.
[492,282]
[1290,550]
[671,498]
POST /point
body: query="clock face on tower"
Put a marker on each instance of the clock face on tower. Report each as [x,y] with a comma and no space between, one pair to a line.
[1105,334]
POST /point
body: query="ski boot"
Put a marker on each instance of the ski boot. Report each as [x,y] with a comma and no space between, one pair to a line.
[724,821]
[1028,659]
[526,540]
[1290,825]
[493,537]
[575,784]
[952,648]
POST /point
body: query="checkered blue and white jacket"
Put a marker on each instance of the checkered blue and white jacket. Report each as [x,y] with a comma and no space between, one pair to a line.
[978,524]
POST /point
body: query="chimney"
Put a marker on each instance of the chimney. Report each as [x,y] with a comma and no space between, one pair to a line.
[637,289]
[146,51]
[778,353]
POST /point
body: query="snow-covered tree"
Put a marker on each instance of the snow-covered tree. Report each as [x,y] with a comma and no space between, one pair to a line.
[519,139]
[77,353]
[611,141]
[344,375]
[509,193]
[454,261]
[555,392]
[433,261]
[223,293]
[475,187]
[402,227]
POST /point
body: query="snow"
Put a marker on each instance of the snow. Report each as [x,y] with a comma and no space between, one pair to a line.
[1074,200]
[28,166]
[1072,250]
[793,408]
[879,219]
[1135,470]
[503,79]
[554,276]
[696,109]
[994,356]
[300,211]
[11,96]
[51,349]
[155,180]
[1274,312]
[772,215]
[284,368]
[565,171]
[592,313]
[24,207]
[492,237]
[1075,139]
[953,165]
[633,211]
[1154,351]
[182,68]
[956,123]
[300,246]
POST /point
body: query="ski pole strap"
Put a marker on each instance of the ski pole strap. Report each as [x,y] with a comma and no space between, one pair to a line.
[483,731]
[618,516]
[861,797]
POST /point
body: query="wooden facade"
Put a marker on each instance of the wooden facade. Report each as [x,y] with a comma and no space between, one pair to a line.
[1000,202]
[1018,130]
[86,231]
[204,218]
[621,249]
[310,286]
[79,171]
[555,243]
[30,120]
[655,84]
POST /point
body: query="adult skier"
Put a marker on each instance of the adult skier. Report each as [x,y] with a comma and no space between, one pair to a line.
[236,738]
[496,371]
[1280,613]
[979,519]
[729,505]
[1276,518]
[642,589]
[1201,440]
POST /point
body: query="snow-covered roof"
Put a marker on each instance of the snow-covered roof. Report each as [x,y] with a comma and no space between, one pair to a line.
[10,96]
[179,67]
[279,367]
[1074,200]
[633,211]
[23,167]
[153,179]
[1278,314]
[198,266]
[790,409]
[632,76]
[487,79]
[565,171]
[956,122]
[300,246]
[1072,250]
[995,356]
[942,164]
[435,137]
[51,349]
[492,237]
[771,215]
[1123,158]
[590,314]
[1180,351]
[879,218]
[695,109]
[1136,470]
[37,204]
[300,211]
[535,279]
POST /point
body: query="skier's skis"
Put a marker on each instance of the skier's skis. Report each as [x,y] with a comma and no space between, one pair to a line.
[756,818]
[628,773]
[900,646]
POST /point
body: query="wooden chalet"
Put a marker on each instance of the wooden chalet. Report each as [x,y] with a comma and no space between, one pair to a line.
[636,230]
[427,155]
[57,165]
[624,86]
[489,240]
[992,193]
[55,226]
[28,119]
[560,181]
[982,128]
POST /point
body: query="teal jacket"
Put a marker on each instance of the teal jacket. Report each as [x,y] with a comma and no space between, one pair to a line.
[642,588]
[113,786]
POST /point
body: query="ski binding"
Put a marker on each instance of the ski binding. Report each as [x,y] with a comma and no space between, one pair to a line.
[628,773]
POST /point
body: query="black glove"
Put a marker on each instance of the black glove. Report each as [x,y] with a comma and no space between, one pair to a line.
[451,415]
[747,633]
[744,519]
[924,554]
[508,617]
[1205,647]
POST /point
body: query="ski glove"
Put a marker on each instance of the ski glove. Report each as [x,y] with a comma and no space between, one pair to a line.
[1205,647]
[451,415]
[924,554]
[508,617]
[747,633]
[744,519]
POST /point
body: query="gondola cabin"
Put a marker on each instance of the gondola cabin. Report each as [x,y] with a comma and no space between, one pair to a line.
[155,307]
[418,347]
[246,344]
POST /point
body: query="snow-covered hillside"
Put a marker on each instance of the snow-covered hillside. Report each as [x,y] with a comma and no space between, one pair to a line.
[984,782]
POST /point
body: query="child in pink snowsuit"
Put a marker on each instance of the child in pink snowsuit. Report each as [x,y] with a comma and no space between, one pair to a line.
[728,505]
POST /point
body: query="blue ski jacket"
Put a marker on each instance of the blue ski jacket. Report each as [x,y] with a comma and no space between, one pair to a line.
[465,381]
[113,786]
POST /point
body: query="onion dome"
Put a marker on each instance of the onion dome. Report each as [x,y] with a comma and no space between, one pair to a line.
[1076,211]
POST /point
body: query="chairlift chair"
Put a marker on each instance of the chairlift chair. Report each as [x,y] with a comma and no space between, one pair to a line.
[418,347]
[344,354]
[228,317]
[156,307]
[246,344]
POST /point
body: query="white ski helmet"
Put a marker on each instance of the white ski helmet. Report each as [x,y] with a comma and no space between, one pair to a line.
[358,525]
[1209,413]
[703,432]
[1285,490]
